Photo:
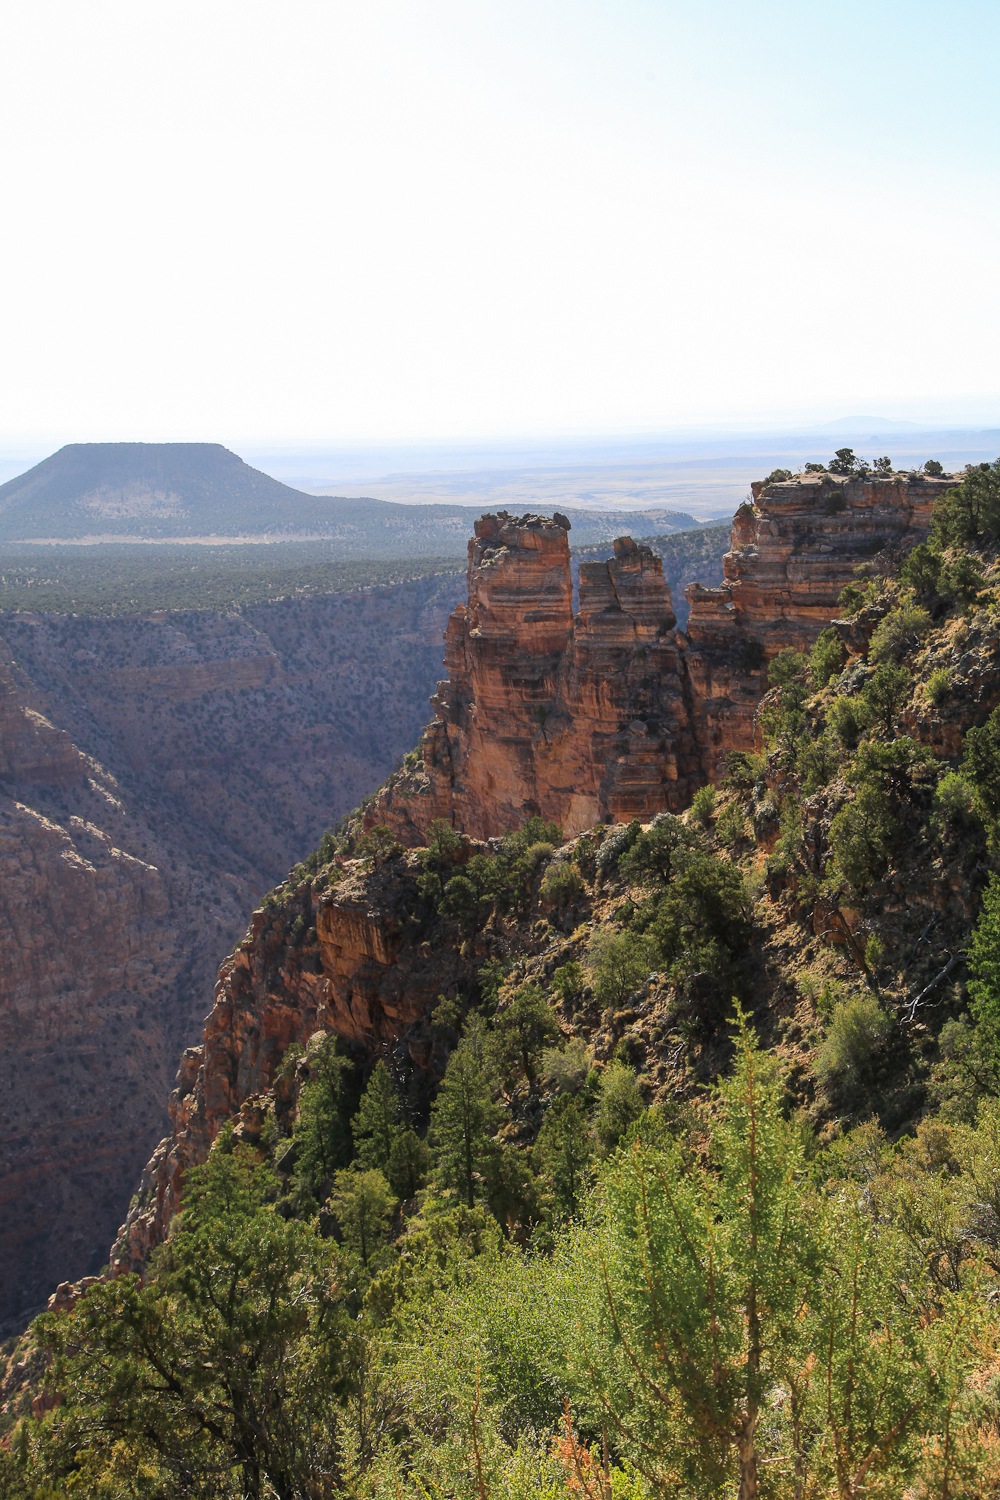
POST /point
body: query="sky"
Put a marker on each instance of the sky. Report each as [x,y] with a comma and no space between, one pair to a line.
[383,222]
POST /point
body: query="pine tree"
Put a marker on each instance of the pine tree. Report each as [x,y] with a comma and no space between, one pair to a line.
[563,1154]
[704,1273]
[323,1137]
[463,1117]
[375,1127]
[361,1203]
[522,1031]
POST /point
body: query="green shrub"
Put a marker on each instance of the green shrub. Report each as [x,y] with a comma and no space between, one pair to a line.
[379,844]
[778,476]
[938,686]
[982,765]
[460,902]
[561,883]
[566,1068]
[567,981]
[970,512]
[962,580]
[898,633]
[653,856]
[442,841]
[922,569]
[703,805]
[815,762]
[885,693]
[787,667]
[743,769]
[850,599]
[847,719]
[859,1025]
[825,994]
[617,963]
[862,836]
[827,657]
[616,842]
[701,912]
[621,1103]
[521,1032]
[731,825]
[954,805]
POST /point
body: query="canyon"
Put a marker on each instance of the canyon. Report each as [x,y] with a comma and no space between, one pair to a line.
[159,773]
[612,714]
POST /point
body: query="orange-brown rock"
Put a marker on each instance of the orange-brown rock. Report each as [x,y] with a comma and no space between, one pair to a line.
[576,719]
[791,554]
[612,714]
[345,960]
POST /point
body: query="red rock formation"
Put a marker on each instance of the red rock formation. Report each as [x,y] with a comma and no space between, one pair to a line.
[791,554]
[362,975]
[612,714]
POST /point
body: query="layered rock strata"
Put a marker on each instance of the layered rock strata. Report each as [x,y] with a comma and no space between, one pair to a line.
[157,775]
[613,714]
[354,960]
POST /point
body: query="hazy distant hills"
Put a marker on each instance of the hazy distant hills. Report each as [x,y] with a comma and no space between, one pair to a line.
[174,491]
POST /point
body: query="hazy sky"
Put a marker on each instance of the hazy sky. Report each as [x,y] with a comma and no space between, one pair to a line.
[371,221]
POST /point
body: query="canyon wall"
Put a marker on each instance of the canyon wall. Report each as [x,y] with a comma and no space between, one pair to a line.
[613,714]
[157,775]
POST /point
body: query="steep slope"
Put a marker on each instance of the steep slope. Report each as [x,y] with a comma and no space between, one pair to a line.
[367,953]
[357,957]
[158,774]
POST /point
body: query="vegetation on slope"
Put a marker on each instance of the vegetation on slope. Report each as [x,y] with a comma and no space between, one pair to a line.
[643,1239]
[123,579]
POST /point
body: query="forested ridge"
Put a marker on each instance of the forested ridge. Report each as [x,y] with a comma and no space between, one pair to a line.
[697,1192]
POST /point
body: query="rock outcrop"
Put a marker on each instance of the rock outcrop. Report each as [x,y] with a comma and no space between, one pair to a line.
[612,714]
[352,959]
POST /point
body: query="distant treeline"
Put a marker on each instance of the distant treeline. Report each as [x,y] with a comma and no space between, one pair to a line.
[135,578]
[124,579]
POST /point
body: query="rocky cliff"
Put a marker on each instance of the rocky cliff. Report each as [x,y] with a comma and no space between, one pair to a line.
[355,958]
[612,714]
[608,712]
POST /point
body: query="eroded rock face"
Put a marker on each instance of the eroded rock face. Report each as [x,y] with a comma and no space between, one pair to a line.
[347,960]
[612,714]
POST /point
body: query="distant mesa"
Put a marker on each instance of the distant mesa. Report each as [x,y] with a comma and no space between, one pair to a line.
[153,490]
[171,491]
